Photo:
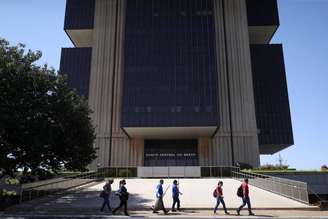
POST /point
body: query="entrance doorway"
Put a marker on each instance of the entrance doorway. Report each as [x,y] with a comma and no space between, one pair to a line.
[171,152]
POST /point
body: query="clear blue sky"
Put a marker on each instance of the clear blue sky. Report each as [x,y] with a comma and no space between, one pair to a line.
[303,32]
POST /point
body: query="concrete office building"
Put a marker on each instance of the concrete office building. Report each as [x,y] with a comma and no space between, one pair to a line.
[179,82]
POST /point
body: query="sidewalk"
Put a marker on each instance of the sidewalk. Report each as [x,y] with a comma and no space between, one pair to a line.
[185,214]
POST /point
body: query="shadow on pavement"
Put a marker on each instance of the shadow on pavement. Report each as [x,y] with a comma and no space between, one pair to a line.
[82,201]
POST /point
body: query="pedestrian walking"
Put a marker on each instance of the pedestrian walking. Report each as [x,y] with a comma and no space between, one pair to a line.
[218,194]
[105,194]
[159,204]
[243,192]
[175,195]
[124,196]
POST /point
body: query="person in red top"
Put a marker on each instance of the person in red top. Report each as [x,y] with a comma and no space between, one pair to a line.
[219,198]
[245,198]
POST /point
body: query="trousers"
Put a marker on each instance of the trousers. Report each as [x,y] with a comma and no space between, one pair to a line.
[159,205]
[247,201]
[176,200]
[218,201]
[122,203]
[106,203]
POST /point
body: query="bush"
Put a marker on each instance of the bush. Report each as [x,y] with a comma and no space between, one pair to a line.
[272,167]
[244,166]
[324,168]
[8,195]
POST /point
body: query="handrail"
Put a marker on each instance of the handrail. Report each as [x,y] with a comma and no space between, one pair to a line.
[60,179]
[293,189]
[273,177]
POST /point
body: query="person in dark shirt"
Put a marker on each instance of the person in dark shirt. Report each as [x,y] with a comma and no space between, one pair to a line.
[107,189]
[219,198]
[245,198]
[159,204]
[124,196]
[175,195]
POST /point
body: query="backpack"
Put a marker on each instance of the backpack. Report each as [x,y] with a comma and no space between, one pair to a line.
[124,196]
[215,193]
[240,192]
[102,194]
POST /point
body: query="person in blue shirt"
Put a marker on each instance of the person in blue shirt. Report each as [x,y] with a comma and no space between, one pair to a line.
[175,195]
[159,204]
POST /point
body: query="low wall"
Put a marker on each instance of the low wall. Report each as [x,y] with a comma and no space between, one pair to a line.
[317,181]
[181,171]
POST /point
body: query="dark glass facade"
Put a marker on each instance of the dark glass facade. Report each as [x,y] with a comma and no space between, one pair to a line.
[79,14]
[262,12]
[271,98]
[171,153]
[76,64]
[169,64]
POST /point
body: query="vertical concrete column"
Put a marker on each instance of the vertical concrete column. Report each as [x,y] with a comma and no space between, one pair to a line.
[137,152]
[121,151]
[220,147]
[105,88]
[235,86]
[203,151]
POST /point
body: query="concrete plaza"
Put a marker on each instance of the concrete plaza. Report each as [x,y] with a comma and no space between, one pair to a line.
[197,197]
[197,194]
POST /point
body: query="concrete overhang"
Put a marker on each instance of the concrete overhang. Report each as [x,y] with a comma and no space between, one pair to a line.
[79,21]
[170,132]
[80,37]
[272,149]
[261,34]
[263,20]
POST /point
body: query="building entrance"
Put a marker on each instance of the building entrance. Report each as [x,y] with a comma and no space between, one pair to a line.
[171,153]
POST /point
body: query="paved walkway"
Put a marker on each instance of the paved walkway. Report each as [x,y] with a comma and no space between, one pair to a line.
[199,214]
[197,194]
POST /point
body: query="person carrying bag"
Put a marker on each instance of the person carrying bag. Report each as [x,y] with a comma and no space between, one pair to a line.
[105,194]
[124,196]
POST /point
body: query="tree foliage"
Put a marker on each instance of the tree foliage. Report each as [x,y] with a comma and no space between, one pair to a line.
[43,123]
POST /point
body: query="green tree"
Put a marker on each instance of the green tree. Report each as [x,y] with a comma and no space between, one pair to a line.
[43,123]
